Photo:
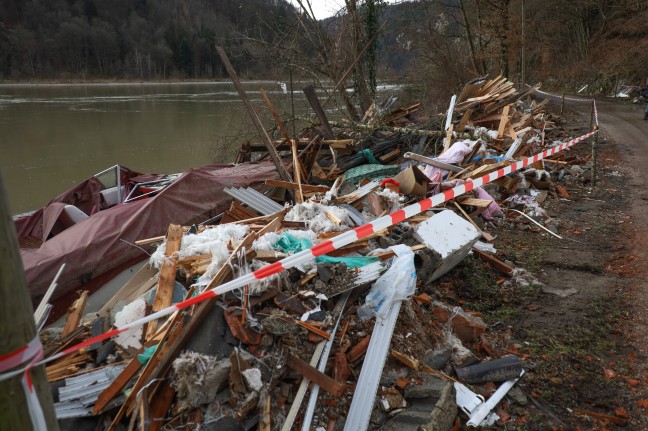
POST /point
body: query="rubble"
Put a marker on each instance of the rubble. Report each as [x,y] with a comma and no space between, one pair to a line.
[364,322]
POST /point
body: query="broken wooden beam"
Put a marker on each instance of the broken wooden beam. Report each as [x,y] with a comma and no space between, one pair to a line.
[494,262]
[311,373]
[283,173]
[311,96]
[75,313]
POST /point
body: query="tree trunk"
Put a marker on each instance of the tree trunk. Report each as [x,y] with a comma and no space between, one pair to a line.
[17,328]
[471,42]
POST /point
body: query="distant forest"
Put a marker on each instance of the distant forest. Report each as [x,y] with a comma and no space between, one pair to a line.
[134,39]
[425,43]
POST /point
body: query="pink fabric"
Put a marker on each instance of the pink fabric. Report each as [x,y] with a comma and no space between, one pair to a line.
[455,154]
[492,209]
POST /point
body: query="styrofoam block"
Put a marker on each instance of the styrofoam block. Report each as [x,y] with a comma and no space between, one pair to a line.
[448,235]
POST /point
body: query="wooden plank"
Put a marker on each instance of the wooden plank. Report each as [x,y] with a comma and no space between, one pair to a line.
[305,187]
[168,270]
[164,293]
[299,195]
[148,373]
[464,120]
[503,121]
[311,373]
[511,132]
[474,202]
[485,169]
[75,313]
[389,156]
[160,400]
[448,138]
[494,262]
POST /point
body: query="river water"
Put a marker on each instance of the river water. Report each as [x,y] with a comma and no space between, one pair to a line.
[53,136]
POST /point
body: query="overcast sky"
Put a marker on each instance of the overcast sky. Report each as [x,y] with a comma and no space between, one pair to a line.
[325,8]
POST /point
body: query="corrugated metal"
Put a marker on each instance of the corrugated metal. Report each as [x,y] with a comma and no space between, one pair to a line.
[255,200]
[80,393]
[365,393]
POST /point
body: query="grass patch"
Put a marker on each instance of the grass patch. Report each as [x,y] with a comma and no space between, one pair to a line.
[589,336]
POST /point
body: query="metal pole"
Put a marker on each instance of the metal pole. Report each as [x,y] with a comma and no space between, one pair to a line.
[523,53]
[594,146]
[562,103]
[17,329]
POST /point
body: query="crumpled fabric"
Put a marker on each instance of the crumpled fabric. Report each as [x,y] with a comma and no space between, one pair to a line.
[290,244]
[491,210]
[455,154]
[521,199]
[349,261]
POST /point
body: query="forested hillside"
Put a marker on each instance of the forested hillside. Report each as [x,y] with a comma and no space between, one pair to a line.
[133,39]
[429,43]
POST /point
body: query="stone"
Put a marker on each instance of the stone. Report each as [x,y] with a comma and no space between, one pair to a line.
[430,387]
[435,413]
[325,272]
[437,359]
[516,395]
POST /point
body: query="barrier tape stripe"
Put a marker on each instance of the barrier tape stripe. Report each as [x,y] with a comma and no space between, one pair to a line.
[575,99]
[326,246]
[20,356]
[31,353]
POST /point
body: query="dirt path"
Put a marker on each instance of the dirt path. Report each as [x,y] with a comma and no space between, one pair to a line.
[581,327]
[594,344]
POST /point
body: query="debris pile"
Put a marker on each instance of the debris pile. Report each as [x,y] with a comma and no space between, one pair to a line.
[358,338]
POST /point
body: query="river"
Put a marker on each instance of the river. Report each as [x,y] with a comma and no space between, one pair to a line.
[53,136]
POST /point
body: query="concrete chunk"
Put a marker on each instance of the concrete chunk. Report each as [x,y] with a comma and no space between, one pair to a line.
[449,236]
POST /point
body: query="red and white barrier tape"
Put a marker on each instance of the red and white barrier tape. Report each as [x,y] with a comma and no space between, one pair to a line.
[327,246]
[30,354]
[575,99]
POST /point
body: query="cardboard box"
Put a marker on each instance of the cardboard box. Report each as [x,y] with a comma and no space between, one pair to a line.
[412,181]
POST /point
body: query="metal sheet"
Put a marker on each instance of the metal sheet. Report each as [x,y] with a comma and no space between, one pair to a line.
[255,200]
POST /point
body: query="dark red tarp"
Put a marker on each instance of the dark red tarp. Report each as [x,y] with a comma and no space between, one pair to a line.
[100,243]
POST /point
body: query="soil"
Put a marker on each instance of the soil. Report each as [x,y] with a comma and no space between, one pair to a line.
[584,348]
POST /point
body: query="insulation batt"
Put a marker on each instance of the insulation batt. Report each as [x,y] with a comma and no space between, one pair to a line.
[133,311]
[197,378]
[486,133]
[314,215]
[212,241]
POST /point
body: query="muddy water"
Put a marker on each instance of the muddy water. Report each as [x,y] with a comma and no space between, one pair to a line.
[52,136]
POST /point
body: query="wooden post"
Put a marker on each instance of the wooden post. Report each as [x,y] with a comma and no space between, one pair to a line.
[594,145]
[17,328]
[274,155]
[311,96]
[270,106]
[562,103]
